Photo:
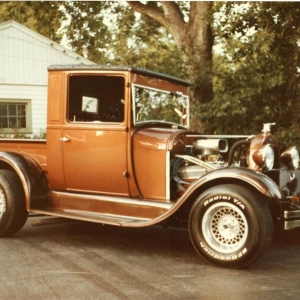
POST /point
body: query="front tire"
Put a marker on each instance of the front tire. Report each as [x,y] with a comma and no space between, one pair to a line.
[230,226]
[13,213]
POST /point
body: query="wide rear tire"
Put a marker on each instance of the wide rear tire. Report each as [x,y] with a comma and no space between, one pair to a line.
[13,213]
[230,225]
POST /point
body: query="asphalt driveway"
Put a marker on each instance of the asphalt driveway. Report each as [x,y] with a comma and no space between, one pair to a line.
[90,261]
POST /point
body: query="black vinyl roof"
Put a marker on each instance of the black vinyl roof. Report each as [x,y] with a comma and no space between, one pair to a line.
[119,68]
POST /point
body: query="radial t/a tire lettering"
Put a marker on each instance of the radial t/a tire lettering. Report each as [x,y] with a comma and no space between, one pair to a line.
[13,213]
[230,225]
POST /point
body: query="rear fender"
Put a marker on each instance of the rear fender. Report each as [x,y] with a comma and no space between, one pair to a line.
[32,177]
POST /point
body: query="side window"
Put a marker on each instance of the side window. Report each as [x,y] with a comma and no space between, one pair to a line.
[96,98]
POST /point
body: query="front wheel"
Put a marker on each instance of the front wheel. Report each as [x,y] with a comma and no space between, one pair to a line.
[13,213]
[230,226]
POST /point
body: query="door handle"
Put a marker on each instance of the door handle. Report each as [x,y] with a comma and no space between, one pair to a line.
[64,139]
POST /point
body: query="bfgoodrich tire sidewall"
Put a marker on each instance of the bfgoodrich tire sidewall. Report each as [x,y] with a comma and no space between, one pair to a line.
[250,208]
[15,214]
[7,215]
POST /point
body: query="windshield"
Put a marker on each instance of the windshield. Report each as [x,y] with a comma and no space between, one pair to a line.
[152,105]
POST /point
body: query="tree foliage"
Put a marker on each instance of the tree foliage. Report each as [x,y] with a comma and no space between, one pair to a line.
[257,77]
[42,17]
[190,27]
[112,33]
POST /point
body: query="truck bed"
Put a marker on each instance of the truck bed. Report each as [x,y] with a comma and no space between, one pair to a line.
[36,148]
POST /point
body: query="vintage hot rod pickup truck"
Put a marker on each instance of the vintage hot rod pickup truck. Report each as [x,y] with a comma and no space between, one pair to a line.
[119,151]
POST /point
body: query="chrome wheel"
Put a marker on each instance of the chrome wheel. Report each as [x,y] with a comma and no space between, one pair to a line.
[225,227]
[230,225]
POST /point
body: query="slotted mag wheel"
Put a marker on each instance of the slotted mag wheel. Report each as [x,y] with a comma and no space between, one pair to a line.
[224,227]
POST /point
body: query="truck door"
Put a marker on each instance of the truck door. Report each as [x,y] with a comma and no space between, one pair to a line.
[95,135]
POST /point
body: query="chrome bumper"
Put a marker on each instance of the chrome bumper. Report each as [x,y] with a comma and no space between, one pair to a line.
[291,219]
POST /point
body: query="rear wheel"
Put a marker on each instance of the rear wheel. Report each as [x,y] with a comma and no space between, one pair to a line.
[13,213]
[230,226]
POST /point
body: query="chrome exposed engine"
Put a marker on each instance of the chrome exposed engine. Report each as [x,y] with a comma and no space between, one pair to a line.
[206,155]
[257,152]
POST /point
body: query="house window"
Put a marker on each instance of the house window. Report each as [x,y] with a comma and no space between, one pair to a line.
[15,114]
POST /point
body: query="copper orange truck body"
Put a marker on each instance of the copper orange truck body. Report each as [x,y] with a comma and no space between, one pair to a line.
[119,151]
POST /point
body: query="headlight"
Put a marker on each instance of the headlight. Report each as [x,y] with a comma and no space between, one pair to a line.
[290,158]
[264,157]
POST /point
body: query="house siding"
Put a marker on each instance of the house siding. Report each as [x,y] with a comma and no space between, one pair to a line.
[24,58]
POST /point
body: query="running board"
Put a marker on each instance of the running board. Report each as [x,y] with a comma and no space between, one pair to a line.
[113,210]
[66,215]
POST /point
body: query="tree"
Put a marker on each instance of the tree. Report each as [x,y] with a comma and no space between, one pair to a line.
[192,32]
[44,20]
[106,32]
[256,77]
[112,33]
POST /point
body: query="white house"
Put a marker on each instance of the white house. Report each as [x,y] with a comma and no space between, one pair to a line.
[24,58]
